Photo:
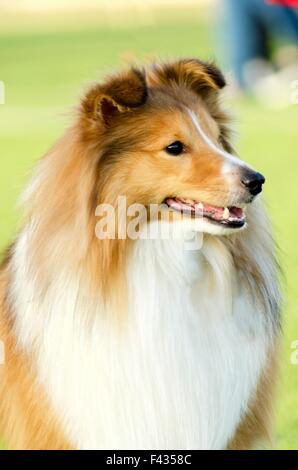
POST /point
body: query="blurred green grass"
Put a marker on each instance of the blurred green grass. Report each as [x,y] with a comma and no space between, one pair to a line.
[45,68]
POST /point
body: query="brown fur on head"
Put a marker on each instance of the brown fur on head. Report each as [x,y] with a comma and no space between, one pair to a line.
[121,92]
[131,119]
[117,147]
[194,74]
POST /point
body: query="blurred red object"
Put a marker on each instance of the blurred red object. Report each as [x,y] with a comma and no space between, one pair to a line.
[285,3]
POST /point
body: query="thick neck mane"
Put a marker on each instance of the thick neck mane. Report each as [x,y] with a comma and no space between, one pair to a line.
[60,205]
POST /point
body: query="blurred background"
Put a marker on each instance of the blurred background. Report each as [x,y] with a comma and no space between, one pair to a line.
[50,50]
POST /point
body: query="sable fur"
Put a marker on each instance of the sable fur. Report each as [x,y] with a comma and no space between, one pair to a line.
[114,148]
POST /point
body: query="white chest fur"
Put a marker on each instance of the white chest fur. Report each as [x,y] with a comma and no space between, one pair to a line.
[179,372]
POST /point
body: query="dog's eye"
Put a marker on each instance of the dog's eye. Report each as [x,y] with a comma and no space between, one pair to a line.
[176,148]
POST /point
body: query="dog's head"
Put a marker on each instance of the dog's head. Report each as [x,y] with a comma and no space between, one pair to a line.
[162,138]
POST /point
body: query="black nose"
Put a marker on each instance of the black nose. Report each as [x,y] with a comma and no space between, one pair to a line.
[253,181]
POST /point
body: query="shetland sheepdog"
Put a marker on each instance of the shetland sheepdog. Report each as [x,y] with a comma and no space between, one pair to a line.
[139,342]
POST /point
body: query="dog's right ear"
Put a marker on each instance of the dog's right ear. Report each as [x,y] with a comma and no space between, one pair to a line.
[119,94]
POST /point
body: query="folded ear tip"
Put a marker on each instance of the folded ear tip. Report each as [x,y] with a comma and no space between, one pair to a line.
[125,90]
[216,74]
[198,75]
[210,68]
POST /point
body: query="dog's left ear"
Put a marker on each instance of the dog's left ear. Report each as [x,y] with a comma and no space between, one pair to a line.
[201,77]
[119,94]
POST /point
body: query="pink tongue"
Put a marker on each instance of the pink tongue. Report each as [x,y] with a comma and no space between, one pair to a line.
[236,212]
[216,212]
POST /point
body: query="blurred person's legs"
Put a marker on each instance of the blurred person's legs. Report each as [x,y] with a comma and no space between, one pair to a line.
[250,25]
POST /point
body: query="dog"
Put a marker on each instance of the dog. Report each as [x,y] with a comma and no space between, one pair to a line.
[117,342]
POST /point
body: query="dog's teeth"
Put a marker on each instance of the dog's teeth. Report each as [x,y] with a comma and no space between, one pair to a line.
[226,213]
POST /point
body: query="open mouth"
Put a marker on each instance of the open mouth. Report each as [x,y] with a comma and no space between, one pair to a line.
[228,216]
